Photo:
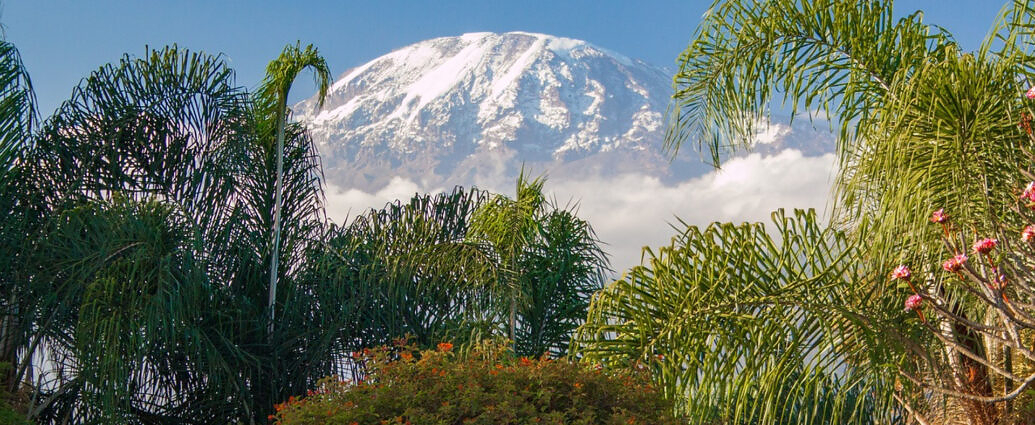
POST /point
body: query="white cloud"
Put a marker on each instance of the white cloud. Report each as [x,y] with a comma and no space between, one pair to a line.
[630,211]
[343,204]
[769,133]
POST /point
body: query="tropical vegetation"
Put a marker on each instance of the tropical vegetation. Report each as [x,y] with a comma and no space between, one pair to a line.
[820,335]
[165,256]
[168,260]
[485,384]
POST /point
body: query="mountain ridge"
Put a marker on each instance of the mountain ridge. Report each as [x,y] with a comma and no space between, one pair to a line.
[476,108]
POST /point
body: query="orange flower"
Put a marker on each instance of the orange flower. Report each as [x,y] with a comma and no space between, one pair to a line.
[406,356]
[578,385]
[445,346]
[525,361]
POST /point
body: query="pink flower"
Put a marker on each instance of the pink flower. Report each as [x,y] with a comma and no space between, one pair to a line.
[984,246]
[1029,192]
[901,272]
[1031,93]
[913,302]
[939,216]
[1028,233]
[954,264]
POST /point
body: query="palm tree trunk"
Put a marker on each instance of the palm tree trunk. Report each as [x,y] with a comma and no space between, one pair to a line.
[8,346]
[513,320]
[275,258]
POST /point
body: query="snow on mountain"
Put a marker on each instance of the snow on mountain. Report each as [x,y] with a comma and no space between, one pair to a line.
[474,109]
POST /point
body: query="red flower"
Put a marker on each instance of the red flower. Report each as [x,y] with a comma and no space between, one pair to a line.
[1029,192]
[1030,94]
[1028,233]
[939,216]
[984,246]
[954,264]
[901,272]
[913,302]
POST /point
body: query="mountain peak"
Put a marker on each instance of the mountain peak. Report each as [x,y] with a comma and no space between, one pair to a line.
[440,105]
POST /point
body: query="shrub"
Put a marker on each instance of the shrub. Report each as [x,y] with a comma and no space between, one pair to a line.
[9,414]
[486,385]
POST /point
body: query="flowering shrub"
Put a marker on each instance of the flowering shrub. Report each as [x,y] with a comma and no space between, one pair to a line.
[983,316]
[487,385]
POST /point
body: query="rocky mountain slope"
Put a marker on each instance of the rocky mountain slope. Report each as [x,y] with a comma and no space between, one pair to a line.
[474,109]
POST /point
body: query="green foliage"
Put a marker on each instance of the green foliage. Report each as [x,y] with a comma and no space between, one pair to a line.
[486,385]
[923,125]
[9,415]
[17,122]
[156,181]
[415,269]
[408,270]
[742,327]
[836,56]
[550,262]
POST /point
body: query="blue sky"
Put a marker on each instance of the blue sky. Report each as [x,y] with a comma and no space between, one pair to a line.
[63,40]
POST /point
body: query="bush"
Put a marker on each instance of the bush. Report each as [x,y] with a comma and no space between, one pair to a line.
[486,385]
[9,415]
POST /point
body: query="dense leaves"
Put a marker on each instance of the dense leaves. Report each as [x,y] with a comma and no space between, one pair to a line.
[740,326]
[485,385]
[145,220]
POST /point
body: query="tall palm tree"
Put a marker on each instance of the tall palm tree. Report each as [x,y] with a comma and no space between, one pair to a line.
[509,225]
[272,97]
[139,175]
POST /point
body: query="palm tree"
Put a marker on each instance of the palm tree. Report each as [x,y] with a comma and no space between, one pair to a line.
[560,269]
[17,122]
[550,262]
[157,187]
[411,272]
[509,225]
[918,120]
[272,96]
[742,326]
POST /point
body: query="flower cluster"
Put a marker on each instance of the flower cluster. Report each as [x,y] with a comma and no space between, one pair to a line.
[955,264]
[939,216]
[913,302]
[1028,233]
[901,272]
[984,246]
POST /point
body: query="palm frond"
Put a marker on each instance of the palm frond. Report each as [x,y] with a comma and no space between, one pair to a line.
[742,327]
[828,55]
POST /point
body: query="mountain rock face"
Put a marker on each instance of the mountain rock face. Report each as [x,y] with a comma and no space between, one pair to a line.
[475,109]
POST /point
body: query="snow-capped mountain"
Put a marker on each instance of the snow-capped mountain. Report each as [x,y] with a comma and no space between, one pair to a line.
[474,109]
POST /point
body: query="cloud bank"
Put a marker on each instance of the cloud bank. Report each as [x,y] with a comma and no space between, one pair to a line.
[630,211]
